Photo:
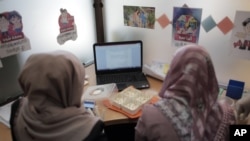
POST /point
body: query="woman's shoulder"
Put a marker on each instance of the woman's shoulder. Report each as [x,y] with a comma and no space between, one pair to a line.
[155,124]
[148,110]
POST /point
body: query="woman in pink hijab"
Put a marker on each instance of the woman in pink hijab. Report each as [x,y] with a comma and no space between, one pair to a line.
[188,109]
[51,109]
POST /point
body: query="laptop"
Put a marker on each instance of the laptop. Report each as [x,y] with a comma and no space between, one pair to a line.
[120,63]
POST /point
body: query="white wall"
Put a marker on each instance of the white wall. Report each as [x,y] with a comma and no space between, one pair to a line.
[40,25]
[157,42]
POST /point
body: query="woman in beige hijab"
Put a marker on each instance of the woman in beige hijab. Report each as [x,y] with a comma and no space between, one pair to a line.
[51,109]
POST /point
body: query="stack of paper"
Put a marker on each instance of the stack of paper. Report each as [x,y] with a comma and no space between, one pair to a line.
[157,69]
[5,114]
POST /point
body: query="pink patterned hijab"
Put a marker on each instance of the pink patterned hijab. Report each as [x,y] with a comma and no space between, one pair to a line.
[52,110]
[189,97]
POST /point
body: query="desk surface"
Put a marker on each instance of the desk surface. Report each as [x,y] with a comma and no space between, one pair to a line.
[110,117]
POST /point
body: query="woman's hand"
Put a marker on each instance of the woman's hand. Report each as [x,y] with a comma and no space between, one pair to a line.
[243,107]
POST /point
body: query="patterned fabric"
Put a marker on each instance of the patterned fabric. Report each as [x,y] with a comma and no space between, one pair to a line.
[191,86]
[179,114]
[227,119]
[52,109]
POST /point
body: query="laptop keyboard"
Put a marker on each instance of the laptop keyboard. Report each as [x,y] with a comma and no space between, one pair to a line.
[116,78]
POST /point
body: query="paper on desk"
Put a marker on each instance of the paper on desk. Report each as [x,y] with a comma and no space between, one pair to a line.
[5,114]
[157,69]
[165,68]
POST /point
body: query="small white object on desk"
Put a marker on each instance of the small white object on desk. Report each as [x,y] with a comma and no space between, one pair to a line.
[157,69]
[99,92]
[5,114]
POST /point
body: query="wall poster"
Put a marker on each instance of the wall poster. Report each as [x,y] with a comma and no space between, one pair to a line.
[67,27]
[186,25]
[240,39]
[136,16]
[12,38]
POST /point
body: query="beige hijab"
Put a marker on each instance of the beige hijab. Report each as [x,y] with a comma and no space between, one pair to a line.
[52,110]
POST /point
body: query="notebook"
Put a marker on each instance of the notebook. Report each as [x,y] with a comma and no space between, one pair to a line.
[120,63]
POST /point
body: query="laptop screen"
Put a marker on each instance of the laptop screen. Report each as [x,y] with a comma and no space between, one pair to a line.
[118,56]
